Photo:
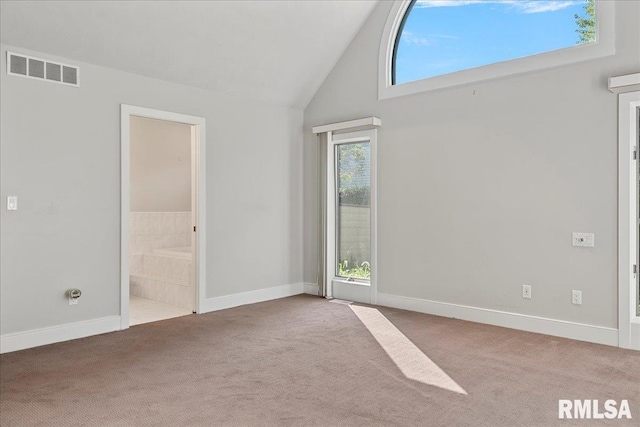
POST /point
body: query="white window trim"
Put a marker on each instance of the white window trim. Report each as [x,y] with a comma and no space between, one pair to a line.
[628,321]
[349,126]
[623,82]
[604,46]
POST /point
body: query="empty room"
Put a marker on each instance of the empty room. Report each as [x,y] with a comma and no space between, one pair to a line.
[320,212]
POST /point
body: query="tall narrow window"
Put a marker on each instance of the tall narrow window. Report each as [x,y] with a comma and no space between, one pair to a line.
[347,238]
[353,212]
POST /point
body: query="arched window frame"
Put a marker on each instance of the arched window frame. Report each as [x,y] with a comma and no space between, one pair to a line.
[604,46]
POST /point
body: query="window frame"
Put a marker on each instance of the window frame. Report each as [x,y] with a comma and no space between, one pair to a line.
[364,291]
[602,47]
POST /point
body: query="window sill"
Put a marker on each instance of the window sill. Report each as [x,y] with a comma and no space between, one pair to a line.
[344,281]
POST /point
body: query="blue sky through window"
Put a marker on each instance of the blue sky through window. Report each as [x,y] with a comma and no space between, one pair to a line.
[444,36]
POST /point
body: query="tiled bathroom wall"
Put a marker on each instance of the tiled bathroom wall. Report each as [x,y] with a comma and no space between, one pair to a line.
[157,230]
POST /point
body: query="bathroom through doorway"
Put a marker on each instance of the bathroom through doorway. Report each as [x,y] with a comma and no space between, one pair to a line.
[161,222]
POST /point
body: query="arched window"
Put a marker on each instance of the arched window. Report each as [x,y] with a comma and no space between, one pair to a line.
[430,44]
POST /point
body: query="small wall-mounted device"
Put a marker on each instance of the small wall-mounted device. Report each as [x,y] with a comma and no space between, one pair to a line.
[583,239]
[12,203]
[576,297]
[74,294]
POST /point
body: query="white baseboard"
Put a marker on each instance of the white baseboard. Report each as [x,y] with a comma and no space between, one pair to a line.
[311,288]
[252,297]
[630,336]
[541,325]
[53,334]
[561,328]
[37,337]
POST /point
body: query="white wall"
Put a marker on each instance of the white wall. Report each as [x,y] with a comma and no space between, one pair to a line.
[160,166]
[480,187]
[60,154]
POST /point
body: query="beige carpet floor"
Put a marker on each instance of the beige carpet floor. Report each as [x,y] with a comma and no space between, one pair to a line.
[303,361]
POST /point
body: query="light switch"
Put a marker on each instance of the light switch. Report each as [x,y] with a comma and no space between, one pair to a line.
[12,203]
[584,239]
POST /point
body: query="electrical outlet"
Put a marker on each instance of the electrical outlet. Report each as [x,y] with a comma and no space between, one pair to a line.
[526,291]
[583,239]
[12,203]
[576,297]
[74,295]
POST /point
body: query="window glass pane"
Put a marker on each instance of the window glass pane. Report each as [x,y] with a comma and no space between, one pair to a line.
[444,36]
[353,210]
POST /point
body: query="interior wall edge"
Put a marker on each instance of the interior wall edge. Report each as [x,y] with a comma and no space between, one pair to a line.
[311,288]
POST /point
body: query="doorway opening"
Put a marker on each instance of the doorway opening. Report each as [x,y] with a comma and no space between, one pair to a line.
[162,214]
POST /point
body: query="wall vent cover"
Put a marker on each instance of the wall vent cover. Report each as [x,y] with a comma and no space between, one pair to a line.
[35,68]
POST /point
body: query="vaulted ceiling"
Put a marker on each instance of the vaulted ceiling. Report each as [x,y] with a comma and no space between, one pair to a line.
[274,51]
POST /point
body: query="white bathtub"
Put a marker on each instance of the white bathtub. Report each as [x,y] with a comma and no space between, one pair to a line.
[181,252]
[163,275]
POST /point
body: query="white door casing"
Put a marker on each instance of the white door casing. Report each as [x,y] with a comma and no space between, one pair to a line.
[628,319]
[198,201]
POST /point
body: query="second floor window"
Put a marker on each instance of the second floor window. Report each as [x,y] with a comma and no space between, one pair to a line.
[439,37]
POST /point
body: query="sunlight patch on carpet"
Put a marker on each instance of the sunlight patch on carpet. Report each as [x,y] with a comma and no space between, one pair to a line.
[411,361]
[340,301]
